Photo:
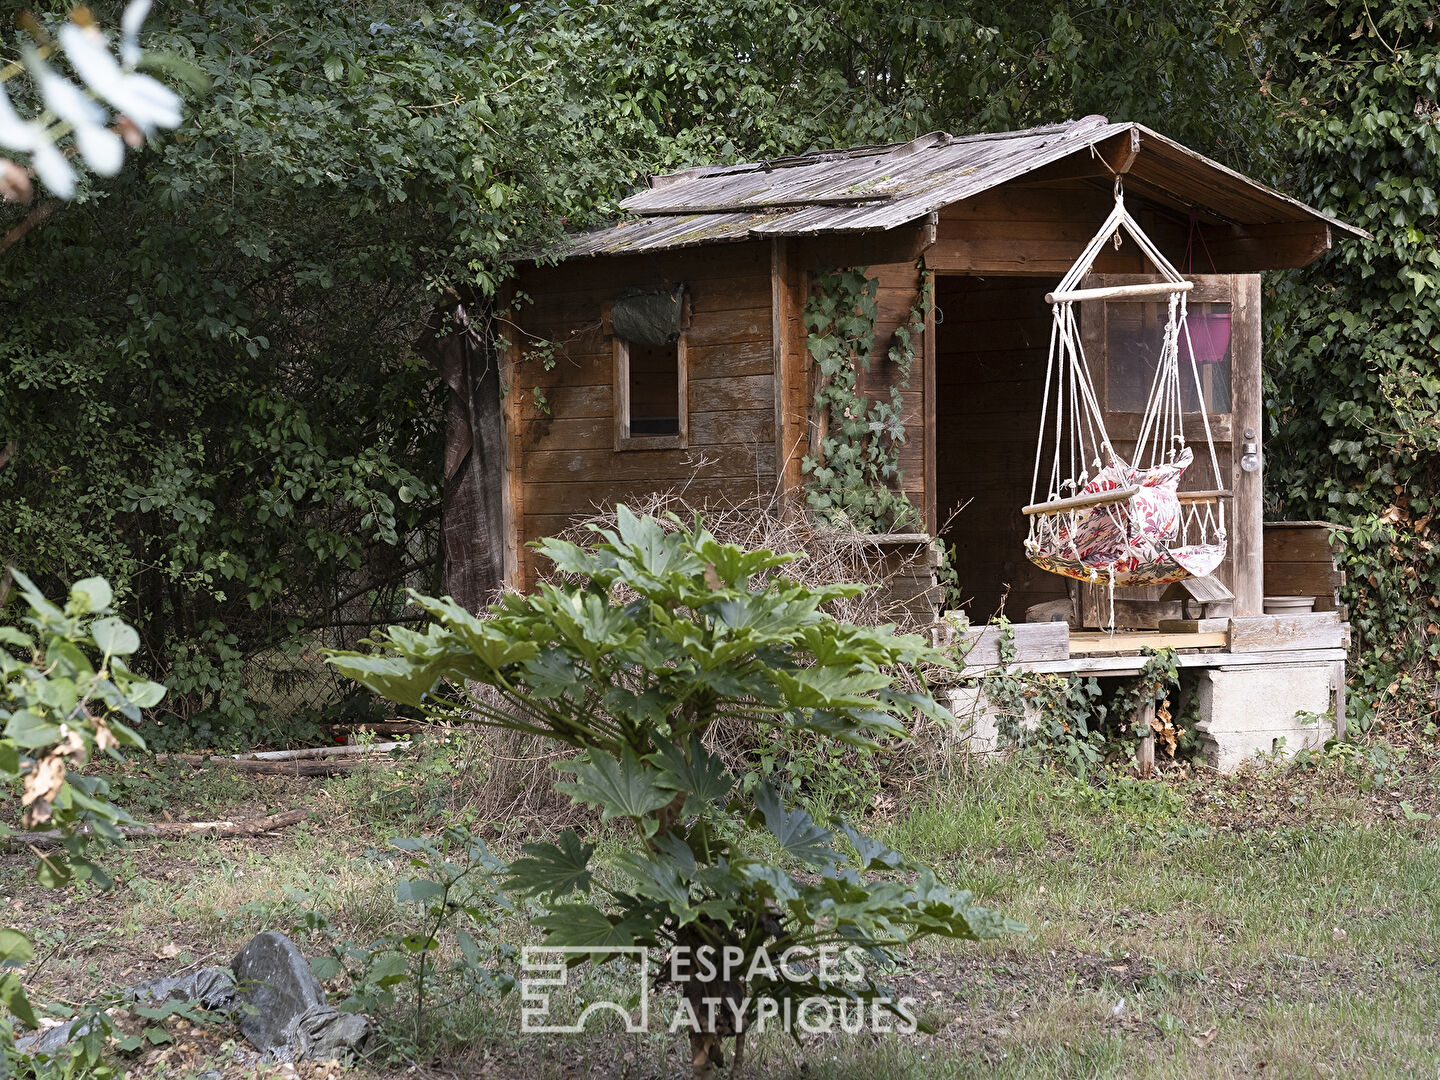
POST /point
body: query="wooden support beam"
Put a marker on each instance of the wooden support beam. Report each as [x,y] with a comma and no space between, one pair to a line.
[1100,161]
[1145,751]
[1280,245]
[1247,411]
[902,244]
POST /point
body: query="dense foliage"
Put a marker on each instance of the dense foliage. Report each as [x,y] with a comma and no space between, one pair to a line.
[213,375]
[853,477]
[67,693]
[662,634]
[1355,388]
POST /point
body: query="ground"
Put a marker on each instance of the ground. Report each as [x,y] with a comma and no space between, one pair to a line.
[1285,922]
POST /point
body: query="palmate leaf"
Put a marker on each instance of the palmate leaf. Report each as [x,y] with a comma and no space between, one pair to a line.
[619,787]
[873,855]
[796,831]
[584,925]
[552,871]
[702,777]
[830,687]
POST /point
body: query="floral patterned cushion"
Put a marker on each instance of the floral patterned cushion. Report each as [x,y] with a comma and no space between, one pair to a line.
[1129,540]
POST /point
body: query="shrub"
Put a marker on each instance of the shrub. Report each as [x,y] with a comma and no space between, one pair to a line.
[701,632]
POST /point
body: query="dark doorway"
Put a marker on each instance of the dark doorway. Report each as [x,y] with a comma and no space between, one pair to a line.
[991,343]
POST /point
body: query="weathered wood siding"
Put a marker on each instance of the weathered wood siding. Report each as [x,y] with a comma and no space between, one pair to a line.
[1040,230]
[563,461]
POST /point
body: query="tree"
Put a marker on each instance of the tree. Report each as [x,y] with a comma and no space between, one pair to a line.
[216,370]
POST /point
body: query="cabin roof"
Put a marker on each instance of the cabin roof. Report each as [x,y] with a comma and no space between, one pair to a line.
[872,188]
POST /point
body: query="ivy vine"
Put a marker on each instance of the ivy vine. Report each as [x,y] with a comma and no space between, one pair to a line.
[853,470]
[1075,721]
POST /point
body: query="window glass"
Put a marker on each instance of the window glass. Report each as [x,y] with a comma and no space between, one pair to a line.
[654,389]
[1133,335]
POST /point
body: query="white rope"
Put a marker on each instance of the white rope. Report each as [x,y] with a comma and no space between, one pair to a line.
[1079,415]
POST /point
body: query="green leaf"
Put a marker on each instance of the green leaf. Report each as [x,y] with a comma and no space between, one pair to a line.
[418,891]
[15,949]
[389,969]
[114,637]
[702,776]
[873,854]
[11,636]
[325,968]
[12,996]
[795,830]
[334,68]
[90,595]
[550,871]
[621,787]
[145,695]
[582,925]
[29,729]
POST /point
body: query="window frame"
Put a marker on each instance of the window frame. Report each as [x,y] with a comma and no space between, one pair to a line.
[620,355]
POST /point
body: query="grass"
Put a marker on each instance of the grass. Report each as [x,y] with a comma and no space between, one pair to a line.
[1284,922]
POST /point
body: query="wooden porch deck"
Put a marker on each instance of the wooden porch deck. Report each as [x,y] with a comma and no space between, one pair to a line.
[1246,641]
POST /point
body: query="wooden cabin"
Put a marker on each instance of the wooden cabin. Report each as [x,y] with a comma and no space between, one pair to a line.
[991,222]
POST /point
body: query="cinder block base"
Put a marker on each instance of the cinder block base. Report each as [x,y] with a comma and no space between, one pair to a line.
[1263,710]
[979,718]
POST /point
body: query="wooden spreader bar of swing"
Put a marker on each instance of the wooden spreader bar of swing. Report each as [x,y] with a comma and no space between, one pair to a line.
[1110,292]
[1080,502]
[1104,498]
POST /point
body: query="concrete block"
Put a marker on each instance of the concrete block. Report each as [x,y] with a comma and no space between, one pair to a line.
[1248,711]
[1226,751]
[979,718]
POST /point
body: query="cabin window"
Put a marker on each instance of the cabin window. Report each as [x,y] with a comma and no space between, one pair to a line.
[650,384]
[1133,336]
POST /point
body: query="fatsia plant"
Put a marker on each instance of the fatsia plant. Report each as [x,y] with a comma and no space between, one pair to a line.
[66,693]
[658,633]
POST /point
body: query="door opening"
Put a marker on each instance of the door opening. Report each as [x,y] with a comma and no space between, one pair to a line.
[991,342]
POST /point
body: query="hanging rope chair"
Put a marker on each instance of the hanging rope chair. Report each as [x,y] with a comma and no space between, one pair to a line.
[1106,520]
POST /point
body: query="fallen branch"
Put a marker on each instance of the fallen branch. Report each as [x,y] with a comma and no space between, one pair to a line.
[311,761]
[385,727]
[321,752]
[160,829]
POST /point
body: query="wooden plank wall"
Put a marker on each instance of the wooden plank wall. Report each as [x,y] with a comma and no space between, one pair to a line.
[991,347]
[564,462]
[1300,561]
[1037,230]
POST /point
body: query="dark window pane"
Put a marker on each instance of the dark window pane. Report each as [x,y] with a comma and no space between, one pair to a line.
[1134,333]
[654,389]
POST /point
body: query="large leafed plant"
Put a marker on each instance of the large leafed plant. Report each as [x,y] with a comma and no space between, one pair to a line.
[662,633]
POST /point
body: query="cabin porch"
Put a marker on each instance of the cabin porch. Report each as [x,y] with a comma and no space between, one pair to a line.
[1265,683]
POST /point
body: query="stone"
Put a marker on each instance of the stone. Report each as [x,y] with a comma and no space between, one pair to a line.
[210,988]
[283,1010]
[1263,710]
[979,718]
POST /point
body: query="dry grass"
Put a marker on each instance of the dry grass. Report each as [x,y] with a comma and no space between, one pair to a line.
[826,555]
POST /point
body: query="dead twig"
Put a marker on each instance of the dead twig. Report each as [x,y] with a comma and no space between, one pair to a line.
[163,829]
